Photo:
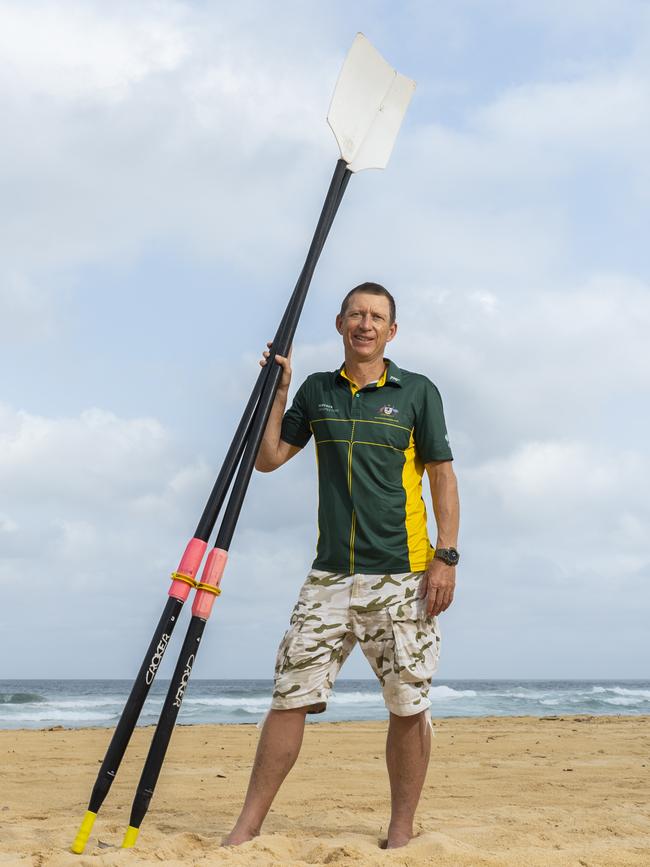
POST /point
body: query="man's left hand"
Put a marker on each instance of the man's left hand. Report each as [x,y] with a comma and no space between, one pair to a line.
[441,581]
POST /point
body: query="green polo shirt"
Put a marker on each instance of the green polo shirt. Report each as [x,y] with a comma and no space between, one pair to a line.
[371,447]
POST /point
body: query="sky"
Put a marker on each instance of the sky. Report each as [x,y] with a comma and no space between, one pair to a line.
[162,167]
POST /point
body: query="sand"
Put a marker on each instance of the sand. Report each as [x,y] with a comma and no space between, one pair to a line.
[500,791]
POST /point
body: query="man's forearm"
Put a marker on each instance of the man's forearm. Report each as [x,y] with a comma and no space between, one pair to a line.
[267,457]
[446,506]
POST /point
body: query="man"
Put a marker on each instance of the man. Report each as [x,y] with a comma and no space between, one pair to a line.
[375,578]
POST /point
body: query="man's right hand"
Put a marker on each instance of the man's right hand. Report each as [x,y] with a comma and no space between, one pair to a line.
[285,364]
[274,451]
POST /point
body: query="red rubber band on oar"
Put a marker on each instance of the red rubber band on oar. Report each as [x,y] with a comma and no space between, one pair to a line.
[183,579]
[208,587]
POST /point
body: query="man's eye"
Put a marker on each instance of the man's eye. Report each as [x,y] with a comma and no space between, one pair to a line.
[377,317]
[354,316]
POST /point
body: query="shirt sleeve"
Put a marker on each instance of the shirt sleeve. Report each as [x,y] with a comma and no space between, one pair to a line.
[430,434]
[296,429]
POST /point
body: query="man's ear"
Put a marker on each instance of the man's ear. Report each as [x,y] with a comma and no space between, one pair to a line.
[392,331]
[339,323]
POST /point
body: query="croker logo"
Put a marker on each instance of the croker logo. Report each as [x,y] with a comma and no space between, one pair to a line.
[156,659]
[180,692]
[388,410]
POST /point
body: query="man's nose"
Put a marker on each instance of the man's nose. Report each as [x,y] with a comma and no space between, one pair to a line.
[366,322]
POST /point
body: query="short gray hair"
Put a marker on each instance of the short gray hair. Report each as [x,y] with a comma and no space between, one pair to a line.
[371,289]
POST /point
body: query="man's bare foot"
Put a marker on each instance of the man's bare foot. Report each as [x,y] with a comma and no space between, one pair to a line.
[238,836]
[397,837]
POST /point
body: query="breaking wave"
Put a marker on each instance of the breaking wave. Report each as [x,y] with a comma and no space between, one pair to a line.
[41,704]
[20,698]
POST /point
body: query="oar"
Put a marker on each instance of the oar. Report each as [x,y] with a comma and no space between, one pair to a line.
[208,587]
[367,108]
[184,578]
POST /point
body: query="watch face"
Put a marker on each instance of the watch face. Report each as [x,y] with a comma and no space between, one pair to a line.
[450,556]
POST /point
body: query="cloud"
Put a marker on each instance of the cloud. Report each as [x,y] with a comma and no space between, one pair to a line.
[97,510]
[130,127]
[72,52]
[96,455]
[26,310]
[594,115]
[510,225]
[587,18]
[571,492]
[84,492]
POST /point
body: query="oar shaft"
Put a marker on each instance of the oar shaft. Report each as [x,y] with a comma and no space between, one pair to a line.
[211,577]
[280,346]
[191,560]
[240,486]
[130,714]
[135,701]
[233,456]
[218,494]
[335,193]
[165,728]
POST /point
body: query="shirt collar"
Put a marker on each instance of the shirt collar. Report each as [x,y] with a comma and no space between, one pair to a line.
[392,375]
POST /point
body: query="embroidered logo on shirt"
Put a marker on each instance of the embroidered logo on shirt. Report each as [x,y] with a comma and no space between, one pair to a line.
[388,410]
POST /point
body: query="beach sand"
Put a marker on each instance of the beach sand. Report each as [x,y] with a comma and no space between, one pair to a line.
[500,791]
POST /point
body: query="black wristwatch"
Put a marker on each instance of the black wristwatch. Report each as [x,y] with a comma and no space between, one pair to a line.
[450,556]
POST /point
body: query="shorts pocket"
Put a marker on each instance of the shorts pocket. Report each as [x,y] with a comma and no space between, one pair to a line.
[416,639]
[291,647]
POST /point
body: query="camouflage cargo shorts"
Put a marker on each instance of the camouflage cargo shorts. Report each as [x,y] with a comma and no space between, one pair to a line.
[386,614]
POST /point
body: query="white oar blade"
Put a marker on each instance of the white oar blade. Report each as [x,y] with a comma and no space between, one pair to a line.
[377,146]
[368,106]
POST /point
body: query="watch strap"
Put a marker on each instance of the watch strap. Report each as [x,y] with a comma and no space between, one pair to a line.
[450,556]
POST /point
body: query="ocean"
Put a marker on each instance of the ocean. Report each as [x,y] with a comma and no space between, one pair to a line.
[36,704]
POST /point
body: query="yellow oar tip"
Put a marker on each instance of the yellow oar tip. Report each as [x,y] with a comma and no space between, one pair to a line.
[130,837]
[84,833]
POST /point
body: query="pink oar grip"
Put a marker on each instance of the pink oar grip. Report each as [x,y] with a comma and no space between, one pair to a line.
[189,566]
[212,572]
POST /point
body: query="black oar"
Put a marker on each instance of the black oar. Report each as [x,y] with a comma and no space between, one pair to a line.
[208,587]
[184,578]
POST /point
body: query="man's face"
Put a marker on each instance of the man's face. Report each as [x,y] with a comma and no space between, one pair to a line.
[366,327]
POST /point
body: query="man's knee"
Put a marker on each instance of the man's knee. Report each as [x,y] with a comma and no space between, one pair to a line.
[312,707]
[409,721]
[289,710]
